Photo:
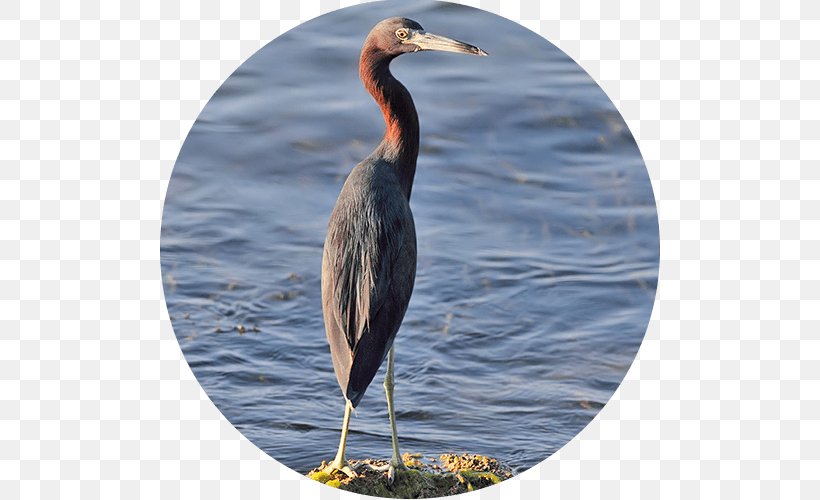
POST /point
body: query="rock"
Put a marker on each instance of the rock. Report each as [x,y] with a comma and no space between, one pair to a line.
[457,474]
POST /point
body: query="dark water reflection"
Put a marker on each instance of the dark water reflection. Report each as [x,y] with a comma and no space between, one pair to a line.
[537,237]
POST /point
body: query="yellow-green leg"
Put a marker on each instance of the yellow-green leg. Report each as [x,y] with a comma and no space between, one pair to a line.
[396,462]
[339,463]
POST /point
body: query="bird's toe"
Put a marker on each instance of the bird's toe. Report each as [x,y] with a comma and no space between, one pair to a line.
[391,475]
[334,468]
[348,471]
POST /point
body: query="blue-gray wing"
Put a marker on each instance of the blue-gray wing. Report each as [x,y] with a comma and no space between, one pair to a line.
[368,270]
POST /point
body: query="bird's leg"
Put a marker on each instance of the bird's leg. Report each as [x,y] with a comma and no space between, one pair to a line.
[388,389]
[339,463]
[396,463]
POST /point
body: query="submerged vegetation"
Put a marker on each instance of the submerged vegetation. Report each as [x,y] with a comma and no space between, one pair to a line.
[449,474]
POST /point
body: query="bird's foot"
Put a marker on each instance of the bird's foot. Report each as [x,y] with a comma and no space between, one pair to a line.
[392,468]
[337,467]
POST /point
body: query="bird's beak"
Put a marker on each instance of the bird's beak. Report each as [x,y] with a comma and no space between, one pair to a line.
[429,41]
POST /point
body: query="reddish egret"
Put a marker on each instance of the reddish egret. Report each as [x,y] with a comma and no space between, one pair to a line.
[369,261]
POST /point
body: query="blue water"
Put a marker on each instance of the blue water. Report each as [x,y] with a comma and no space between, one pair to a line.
[537,243]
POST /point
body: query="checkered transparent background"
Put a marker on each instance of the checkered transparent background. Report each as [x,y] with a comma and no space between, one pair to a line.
[96,400]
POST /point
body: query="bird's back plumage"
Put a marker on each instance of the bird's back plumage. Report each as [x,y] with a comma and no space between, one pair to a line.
[368,271]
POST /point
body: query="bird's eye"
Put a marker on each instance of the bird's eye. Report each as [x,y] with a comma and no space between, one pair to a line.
[401,34]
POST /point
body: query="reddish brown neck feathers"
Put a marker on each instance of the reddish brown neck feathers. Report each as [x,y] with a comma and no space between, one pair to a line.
[400,145]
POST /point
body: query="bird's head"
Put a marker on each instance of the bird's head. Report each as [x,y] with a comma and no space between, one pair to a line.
[399,35]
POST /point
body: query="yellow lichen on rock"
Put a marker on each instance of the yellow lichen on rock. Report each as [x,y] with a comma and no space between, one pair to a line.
[319,475]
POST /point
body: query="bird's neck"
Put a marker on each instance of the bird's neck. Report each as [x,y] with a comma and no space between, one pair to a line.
[400,146]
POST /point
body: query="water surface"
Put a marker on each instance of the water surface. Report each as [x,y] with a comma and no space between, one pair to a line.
[537,243]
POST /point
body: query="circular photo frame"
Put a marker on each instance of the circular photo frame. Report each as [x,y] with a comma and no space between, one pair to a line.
[372,190]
